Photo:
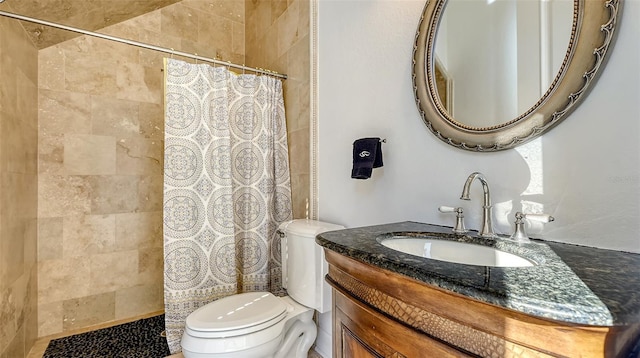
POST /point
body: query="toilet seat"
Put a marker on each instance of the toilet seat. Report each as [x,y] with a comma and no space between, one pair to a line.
[237,315]
[236,324]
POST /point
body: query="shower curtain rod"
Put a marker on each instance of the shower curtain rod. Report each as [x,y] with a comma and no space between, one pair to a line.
[142,44]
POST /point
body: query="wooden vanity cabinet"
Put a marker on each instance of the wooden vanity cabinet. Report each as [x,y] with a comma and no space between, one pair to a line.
[379,313]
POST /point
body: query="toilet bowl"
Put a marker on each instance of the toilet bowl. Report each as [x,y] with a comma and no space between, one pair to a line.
[259,324]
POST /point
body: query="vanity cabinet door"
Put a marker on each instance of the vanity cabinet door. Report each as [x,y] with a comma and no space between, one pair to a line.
[352,346]
[361,332]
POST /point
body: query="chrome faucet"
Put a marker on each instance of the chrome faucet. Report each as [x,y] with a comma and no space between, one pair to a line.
[487,225]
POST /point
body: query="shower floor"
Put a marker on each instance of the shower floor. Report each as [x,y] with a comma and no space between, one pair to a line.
[140,338]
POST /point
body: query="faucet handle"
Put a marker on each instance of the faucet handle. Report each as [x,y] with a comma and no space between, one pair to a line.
[519,234]
[459,228]
[542,218]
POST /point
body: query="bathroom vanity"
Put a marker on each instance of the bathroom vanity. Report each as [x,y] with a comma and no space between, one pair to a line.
[574,301]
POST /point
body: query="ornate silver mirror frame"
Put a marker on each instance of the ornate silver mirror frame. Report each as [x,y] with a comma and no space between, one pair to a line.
[592,32]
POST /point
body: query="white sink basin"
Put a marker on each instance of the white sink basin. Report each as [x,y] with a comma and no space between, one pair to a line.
[457,252]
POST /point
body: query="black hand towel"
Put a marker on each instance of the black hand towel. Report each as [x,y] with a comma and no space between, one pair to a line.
[367,154]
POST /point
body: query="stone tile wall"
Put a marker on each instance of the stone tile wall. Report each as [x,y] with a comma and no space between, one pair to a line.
[85,14]
[18,188]
[277,38]
[101,158]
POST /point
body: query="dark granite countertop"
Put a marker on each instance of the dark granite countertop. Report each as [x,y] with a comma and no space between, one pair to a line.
[574,284]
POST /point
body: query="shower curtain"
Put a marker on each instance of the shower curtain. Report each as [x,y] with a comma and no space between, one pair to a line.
[226,187]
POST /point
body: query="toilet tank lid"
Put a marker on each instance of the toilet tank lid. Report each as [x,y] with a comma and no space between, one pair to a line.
[307,227]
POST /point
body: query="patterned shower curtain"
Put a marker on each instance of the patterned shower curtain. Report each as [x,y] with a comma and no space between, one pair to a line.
[226,187]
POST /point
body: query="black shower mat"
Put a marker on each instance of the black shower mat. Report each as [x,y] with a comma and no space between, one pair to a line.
[138,339]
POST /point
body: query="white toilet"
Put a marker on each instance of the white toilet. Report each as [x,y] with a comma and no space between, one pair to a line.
[259,324]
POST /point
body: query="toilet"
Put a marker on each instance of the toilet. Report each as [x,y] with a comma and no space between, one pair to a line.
[259,324]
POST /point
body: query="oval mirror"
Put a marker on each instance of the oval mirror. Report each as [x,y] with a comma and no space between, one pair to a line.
[489,75]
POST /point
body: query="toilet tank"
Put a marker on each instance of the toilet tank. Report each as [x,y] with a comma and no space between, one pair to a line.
[303,263]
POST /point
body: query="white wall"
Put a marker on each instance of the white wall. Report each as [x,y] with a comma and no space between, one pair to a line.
[483,64]
[585,172]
